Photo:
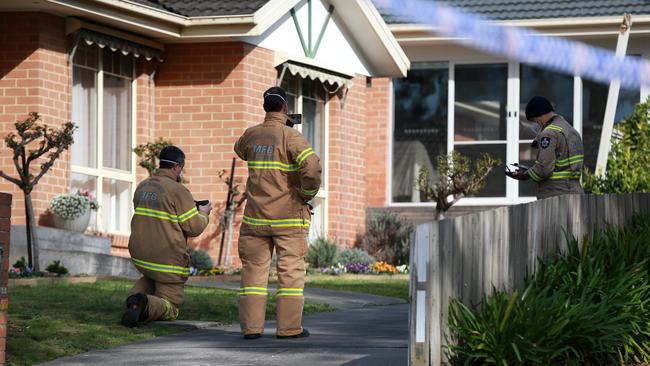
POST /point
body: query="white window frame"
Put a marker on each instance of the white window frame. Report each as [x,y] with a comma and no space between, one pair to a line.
[323,191]
[100,173]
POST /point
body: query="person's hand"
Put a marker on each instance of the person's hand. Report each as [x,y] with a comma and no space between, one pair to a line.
[520,175]
[205,209]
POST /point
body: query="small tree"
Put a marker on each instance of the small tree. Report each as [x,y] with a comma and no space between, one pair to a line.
[457,179]
[50,141]
[149,153]
[628,161]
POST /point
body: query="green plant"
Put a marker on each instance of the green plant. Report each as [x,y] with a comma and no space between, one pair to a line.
[149,152]
[200,259]
[457,178]
[628,160]
[353,255]
[57,268]
[49,141]
[322,253]
[72,206]
[586,307]
[387,238]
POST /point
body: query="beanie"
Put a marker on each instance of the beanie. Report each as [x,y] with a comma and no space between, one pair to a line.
[537,107]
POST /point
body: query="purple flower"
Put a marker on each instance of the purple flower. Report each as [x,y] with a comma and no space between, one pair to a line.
[357,268]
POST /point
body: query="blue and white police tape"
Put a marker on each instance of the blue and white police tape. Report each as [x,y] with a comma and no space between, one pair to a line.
[523,44]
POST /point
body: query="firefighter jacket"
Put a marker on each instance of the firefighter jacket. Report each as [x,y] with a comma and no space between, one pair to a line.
[283,174]
[165,216]
[559,160]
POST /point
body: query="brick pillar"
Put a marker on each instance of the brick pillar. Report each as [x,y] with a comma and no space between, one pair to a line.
[5,227]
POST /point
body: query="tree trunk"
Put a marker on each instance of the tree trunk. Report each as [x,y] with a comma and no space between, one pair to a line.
[32,247]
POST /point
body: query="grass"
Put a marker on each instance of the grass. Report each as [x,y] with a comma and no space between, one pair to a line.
[383,285]
[52,321]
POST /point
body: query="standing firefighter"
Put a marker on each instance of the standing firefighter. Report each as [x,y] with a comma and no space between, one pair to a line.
[559,148]
[165,216]
[284,173]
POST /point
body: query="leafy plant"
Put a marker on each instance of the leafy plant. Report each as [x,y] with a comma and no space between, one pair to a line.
[322,253]
[588,307]
[72,206]
[354,255]
[50,141]
[387,238]
[628,159]
[57,268]
[457,178]
[149,152]
[200,259]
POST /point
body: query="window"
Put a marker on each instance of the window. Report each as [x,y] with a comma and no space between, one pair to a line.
[480,105]
[101,157]
[594,102]
[420,129]
[308,97]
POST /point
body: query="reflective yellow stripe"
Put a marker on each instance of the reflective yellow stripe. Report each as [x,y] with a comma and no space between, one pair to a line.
[554,127]
[570,160]
[253,291]
[566,175]
[534,175]
[149,212]
[290,295]
[304,154]
[309,192]
[274,165]
[166,268]
[276,223]
[290,292]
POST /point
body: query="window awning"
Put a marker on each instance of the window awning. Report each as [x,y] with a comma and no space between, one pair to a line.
[314,73]
[117,44]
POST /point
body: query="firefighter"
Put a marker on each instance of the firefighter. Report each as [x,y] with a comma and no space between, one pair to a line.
[165,216]
[284,173]
[559,152]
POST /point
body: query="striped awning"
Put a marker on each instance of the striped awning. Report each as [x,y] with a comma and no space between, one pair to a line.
[119,45]
[314,73]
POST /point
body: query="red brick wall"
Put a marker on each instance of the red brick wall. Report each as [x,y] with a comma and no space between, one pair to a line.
[206,96]
[347,159]
[377,139]
[5,227]
[34,76]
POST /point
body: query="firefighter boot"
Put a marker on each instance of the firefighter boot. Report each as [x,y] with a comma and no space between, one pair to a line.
[136,306]
[303,334]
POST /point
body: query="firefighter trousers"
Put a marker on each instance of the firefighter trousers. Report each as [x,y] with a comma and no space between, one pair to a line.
[255,253]
[163,299]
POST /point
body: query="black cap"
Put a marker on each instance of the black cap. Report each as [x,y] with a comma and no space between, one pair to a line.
[538,106]
[274,99]
[171,154]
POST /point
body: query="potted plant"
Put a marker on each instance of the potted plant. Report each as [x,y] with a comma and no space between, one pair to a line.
[72,211]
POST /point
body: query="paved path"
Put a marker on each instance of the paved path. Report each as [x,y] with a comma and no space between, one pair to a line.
[365,335]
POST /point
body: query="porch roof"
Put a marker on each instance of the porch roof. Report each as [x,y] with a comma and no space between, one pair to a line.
[205,8]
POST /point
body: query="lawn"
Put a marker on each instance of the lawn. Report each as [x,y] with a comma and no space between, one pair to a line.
[52,321]
[383,285]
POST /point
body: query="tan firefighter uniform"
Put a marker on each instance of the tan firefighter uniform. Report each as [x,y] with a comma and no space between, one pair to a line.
[165,215]
[559,159]
[283,174]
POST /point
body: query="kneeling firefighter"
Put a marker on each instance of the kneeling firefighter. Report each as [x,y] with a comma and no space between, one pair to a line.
[165,216]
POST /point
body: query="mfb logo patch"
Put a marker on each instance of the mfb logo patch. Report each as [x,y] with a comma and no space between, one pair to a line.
[545,142]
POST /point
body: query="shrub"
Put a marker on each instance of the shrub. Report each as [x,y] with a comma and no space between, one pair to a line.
[71,206]
[585,307]
[387,238]
[354,255]
[57,268]
[628,159]
[322,253]
[200,259]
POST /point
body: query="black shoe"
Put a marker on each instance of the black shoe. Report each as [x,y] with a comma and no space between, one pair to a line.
[135,308]
[304,334]
[252,336]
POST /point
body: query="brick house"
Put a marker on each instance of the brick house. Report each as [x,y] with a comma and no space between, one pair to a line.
[128,72]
